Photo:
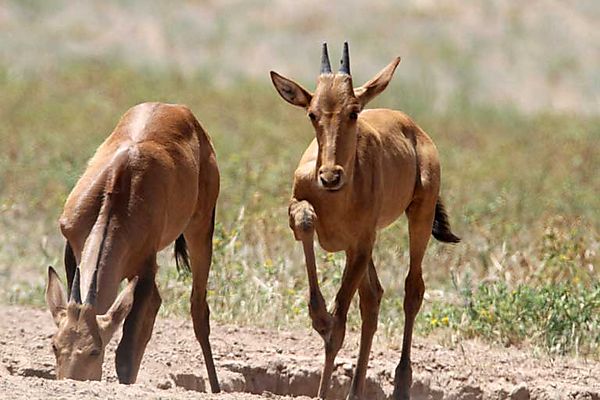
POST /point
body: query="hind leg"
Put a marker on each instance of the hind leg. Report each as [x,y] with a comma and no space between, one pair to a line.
[199,235]
[420,220]
[138,326]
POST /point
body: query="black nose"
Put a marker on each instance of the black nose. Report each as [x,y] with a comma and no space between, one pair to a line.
[331,179]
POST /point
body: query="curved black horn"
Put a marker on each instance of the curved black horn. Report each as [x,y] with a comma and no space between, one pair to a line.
[75,288]
[345,67]
[325,65]
[91,295]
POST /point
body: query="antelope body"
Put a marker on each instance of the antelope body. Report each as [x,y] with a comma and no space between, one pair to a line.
[153,181]
[363,170]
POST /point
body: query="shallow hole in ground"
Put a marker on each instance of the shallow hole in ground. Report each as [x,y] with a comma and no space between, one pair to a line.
[31,372]
[293,380]
[278,378]
[189,382]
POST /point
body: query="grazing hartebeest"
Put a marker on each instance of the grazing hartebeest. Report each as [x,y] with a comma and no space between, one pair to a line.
[364,169]
[154,180]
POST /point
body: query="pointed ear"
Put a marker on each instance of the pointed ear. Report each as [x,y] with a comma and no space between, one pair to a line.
[115,315]
[372,88]
[291,91]
[56,298]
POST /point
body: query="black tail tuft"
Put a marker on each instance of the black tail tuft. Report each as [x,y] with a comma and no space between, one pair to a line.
[441,227]
[182,258]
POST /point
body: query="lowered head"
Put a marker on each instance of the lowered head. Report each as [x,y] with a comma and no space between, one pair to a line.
[82,335]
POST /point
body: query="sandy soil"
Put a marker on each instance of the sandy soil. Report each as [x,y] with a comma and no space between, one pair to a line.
[257,363]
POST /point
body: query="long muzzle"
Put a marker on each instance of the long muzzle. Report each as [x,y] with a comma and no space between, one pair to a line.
[331,178]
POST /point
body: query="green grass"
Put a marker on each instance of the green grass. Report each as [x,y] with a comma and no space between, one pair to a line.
[562,319]
[522,191]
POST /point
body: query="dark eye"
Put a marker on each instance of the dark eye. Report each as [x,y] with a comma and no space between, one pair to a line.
[54,348]
[354,115]
[95,353]
[312,116]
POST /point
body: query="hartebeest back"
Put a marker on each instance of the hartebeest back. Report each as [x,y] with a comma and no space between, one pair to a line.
[153,181]
[363,170]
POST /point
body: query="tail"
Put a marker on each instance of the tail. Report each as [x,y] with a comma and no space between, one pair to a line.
[441,227]
[182,258]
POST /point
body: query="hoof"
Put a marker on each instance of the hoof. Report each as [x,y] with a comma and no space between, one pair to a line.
[402,382]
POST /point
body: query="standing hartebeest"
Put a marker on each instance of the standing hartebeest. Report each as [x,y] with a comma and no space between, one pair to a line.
[154,180]
[364,169]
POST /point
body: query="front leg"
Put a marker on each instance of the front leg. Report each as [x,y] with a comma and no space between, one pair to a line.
[137,329]
[302,222]
[356,266]
[370,292]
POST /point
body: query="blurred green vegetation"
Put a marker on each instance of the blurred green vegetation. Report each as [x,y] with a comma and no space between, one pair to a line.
[560,318]
[521,190]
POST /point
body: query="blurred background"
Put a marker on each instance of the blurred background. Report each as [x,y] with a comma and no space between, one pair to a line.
[508,90]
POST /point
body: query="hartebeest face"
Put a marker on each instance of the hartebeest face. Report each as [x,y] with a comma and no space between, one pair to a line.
[334,110]
[78,345]
[82,335]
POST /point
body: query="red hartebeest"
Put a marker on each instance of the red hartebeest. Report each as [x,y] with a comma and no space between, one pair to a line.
[364,169]
[153,181]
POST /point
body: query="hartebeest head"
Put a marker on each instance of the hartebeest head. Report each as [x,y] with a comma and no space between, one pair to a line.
[334,110]
[82,335]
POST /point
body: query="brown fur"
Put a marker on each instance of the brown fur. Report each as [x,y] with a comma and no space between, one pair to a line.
[359,175]
[154,180]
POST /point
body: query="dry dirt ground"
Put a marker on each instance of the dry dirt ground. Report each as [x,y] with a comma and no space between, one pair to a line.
[256,363]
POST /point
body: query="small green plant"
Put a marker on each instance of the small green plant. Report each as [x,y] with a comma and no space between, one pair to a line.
[565,253]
